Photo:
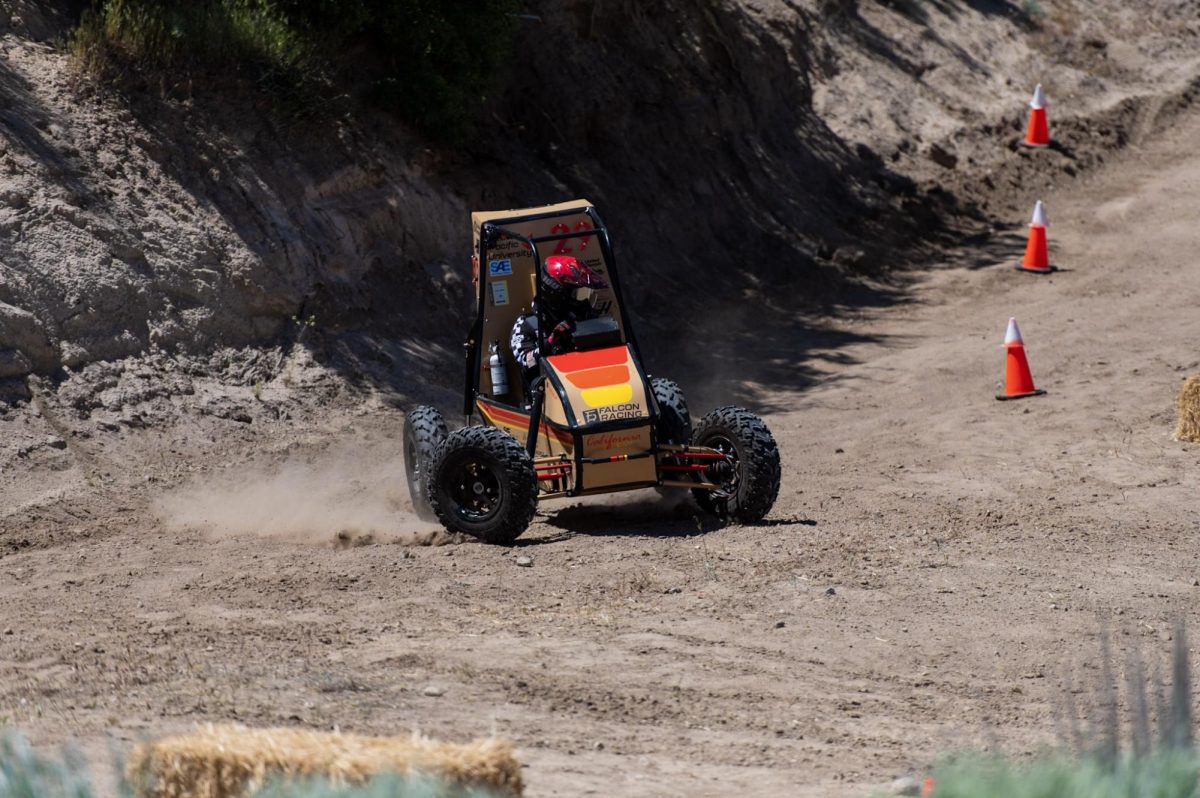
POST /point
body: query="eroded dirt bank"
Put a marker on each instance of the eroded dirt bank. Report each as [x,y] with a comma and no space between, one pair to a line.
[817,144]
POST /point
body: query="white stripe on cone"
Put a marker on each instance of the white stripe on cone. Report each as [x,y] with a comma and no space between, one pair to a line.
[1039,98]
[1039,215]
[1013,334]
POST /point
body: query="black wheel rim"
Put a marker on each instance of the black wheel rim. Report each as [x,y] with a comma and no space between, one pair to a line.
[723,472]
[412,466]
[474,487]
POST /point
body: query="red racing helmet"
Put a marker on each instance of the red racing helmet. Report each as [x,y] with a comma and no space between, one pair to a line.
[569,273]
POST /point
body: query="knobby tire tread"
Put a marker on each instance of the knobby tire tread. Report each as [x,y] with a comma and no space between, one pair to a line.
[520,503]
[758,456]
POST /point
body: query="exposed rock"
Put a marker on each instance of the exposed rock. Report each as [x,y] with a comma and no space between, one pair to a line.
[20,330]
[13,363]
[905,785]
[942,157]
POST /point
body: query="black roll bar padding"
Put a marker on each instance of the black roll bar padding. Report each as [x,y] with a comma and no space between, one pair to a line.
[469,399]
[538,387]
[471,391]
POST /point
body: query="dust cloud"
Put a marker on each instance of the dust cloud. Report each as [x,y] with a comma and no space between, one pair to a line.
[350,496]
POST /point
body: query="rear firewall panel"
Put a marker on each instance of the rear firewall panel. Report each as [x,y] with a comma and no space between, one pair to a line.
[600,386]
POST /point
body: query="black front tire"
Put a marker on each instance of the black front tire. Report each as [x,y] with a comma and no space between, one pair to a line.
[750,485]
[674,420]
[482,483]
[424,431]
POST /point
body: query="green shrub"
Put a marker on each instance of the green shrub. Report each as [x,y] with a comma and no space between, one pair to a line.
[23,774]
[430,63]
[1161,765]
[382,787]
[1166,774]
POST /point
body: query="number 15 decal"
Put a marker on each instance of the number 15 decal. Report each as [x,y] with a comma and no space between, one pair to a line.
[561,227]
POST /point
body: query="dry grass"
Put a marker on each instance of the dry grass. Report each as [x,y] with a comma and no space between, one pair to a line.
[1188,427]
[234,761]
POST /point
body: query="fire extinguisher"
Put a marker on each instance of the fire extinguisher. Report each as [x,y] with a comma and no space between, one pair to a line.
[499,373]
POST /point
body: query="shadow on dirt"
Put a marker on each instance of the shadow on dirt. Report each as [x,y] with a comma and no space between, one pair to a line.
[1002,248]
[27,124]
[652,516]
[753,358]
[671,515]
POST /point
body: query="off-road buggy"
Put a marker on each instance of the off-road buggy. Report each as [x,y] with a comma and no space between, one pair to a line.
[596,423]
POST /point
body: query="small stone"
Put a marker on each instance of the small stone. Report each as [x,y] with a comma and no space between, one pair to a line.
[849,256]
[673,590]
[942,157]
[525,562]
[599,746]
[8,631]
[56,443]
[780,624]
[1195,582]
[839,450]
[905,785]
[433,691]
[830,591]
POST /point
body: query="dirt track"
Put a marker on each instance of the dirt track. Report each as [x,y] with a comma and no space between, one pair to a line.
[973,548]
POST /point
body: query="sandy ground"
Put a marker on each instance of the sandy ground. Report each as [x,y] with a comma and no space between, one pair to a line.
[935,574]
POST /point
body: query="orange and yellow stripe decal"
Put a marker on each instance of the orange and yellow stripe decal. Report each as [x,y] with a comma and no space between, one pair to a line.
[578,361]
[598,378]
[602,376]
[500,417]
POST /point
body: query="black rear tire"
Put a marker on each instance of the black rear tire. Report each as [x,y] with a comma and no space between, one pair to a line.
[674,420]
[750,484]
[424,431]
[482,483]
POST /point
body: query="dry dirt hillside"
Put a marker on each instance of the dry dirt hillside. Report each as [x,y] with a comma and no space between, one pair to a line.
[211,321]
[740,151]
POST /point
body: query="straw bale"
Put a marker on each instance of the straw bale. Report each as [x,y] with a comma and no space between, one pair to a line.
[231,761]
[1188,428]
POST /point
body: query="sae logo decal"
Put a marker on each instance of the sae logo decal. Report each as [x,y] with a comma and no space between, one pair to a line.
[499,268]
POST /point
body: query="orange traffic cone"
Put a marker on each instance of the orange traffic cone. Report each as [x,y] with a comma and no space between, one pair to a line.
[1037,259]
[1018,382]
[1038,133]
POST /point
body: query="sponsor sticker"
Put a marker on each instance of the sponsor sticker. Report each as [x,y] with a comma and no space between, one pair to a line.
[613,413]
[499,268]
[499,293]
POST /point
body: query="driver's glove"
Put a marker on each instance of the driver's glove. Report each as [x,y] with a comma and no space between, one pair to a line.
[561,332]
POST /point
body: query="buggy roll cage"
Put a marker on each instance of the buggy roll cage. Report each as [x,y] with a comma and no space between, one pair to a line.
[492,231]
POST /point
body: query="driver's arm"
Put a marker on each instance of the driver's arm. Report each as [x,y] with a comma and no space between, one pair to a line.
[523,345]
